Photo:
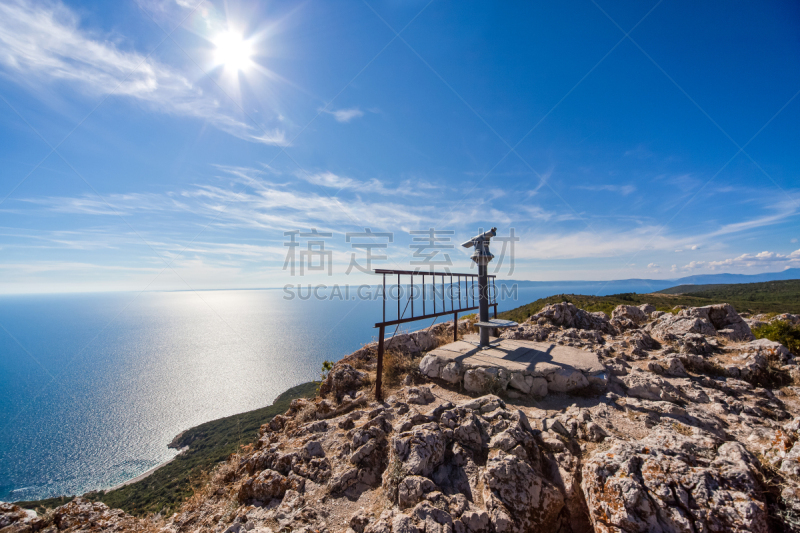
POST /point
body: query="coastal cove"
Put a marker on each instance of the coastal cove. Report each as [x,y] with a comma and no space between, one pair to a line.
[165,486]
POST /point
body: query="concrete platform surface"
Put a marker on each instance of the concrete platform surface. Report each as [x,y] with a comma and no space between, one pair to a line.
[515,355]
[529,367]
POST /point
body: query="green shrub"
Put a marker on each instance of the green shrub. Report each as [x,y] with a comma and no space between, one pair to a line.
[782,332]
[327,366]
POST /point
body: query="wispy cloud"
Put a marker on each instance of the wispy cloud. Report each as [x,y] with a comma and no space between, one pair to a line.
[593,244]
[374,185]
[345,115]
[781,212]
[624,190]
[113,204]
[45,44]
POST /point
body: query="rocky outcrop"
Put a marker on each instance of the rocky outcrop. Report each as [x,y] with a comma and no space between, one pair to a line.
[83,515]
[625,317]
[15,519]
[768,349]
[567,315]
[726,321]
[529,331]
[517,497]
[343,379]
[673,482]
[711,320]
[435,467]
[670,327]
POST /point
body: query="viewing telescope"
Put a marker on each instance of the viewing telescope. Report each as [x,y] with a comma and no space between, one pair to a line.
[483,237]
[481,255]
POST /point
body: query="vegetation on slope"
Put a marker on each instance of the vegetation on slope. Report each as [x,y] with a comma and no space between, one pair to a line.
[768,297]
[769,291]
[782,332]
[209,443]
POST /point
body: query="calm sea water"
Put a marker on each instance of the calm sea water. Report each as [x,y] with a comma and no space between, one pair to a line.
[94,386]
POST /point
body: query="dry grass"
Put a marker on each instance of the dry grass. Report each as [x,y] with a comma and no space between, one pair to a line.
[775,377]
[307,413]
[683,429]
[708,367]
[494,386]
[392,477]
[396,366]
[773,482]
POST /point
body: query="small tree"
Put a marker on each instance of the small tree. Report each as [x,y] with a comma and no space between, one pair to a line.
[327,366]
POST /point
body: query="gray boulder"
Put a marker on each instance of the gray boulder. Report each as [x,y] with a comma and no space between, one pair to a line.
[567,315]
[725,319]
[669,327]
[671,482]
[517,497]
[629,312]
[342,380]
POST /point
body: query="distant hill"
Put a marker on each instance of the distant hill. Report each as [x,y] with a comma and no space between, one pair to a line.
[767,297]
[770,291]
[788,274]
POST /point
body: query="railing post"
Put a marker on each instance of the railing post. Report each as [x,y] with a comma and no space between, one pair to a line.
[379,377]
[411,295]
[455,327]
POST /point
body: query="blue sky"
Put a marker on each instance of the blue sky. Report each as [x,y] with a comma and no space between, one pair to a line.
[166,144]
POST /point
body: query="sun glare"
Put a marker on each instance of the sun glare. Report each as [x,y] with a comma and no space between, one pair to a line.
[233,51]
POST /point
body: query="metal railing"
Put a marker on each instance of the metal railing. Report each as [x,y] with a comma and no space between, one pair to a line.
[457,290]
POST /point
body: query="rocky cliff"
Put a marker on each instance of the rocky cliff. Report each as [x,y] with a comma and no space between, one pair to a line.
[697,428]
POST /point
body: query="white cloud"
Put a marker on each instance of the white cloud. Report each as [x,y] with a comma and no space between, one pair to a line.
[746,261]
[793,241]
[276,137]
[328,179]
[44,44]
[652,265]
[694,247]
[345,115]
[763,258]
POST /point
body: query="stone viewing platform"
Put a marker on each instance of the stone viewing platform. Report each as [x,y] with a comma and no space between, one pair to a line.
[524,367]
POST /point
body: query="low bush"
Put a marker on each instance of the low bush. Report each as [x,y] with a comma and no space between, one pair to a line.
[782,332]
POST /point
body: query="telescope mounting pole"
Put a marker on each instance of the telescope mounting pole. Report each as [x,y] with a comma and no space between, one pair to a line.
[483,311]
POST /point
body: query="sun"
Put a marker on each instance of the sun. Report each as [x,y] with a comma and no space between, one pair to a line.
[233,51]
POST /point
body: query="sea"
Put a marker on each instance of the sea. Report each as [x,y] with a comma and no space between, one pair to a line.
[94,386]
